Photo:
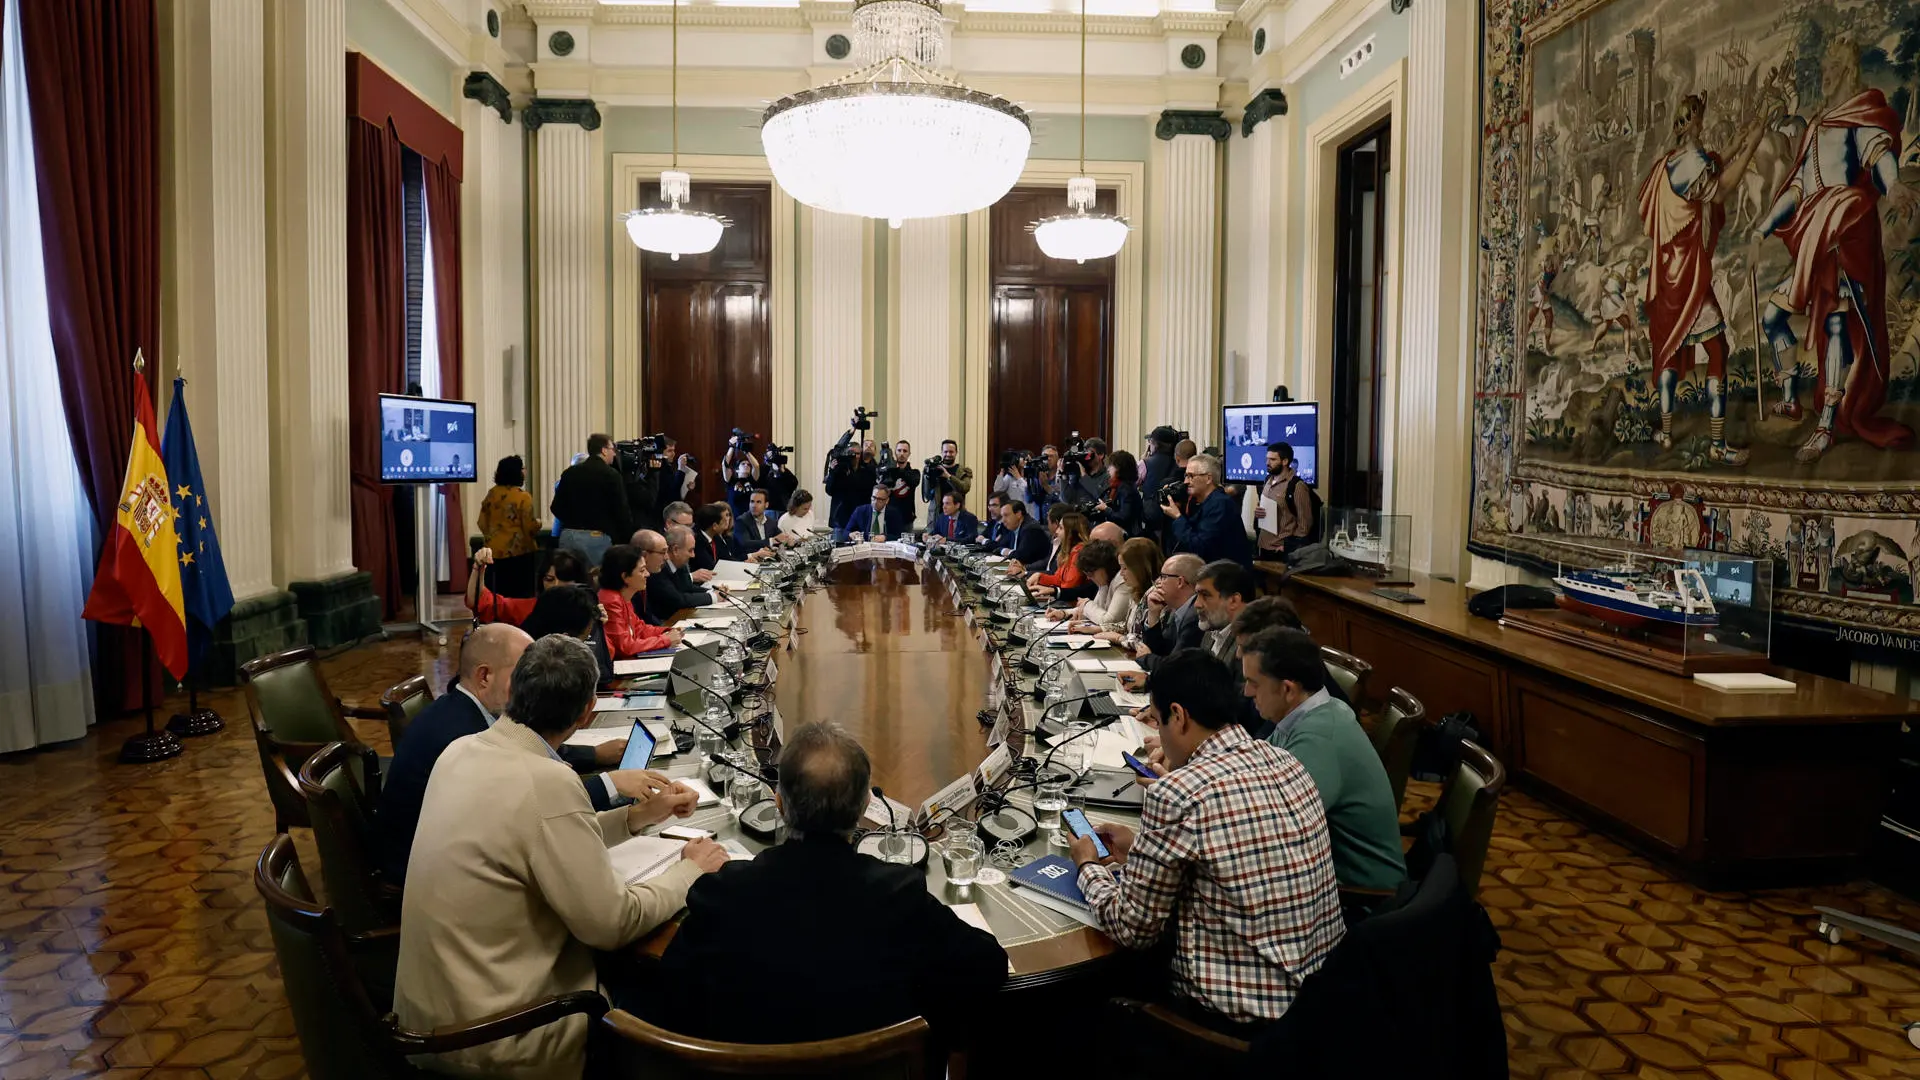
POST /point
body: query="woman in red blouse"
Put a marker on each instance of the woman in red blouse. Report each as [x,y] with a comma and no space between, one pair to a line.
[623,573]
[563,568]
[1069,534]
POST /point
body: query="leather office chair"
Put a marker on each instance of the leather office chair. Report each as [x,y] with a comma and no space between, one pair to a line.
[1350,672]
[294,714]
[1180,1039]
[342,819]
[402,703]
[639,1049]
[1396,736]
[344,1033]
[283,785]
[1467,805]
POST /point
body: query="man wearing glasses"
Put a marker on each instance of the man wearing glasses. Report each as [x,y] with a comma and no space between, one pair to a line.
[1212,530]
[1173,620]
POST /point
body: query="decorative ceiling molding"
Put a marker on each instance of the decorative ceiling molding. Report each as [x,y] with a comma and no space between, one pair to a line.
[1194,22]
[733,16]
[1058,22]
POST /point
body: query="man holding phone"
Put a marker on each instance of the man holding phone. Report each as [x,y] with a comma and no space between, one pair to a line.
[1233,852]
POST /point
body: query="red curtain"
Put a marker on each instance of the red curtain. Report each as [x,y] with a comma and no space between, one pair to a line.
[443,225]
[376,340]
[92,79]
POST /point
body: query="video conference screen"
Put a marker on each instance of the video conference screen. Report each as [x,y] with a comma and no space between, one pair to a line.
[426,441]
[1247,429]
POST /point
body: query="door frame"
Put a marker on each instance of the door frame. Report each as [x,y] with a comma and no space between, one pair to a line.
[1347,243]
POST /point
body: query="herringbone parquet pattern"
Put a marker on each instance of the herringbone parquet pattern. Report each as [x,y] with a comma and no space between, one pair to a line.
[132,944]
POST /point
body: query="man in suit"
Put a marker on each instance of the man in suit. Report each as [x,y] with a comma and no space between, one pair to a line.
[756,531]
[653,552]
[993,536]
[1026,541]
[674,589]
[713,536]
[869,521]
[953,523]
[517,890]
[1173,621]
[471,705]
[871,945]
[1212,530]
[1223,592]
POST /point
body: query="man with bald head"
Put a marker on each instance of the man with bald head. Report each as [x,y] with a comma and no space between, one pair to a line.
[653,551]
[675,587]
[1173,617]
[471,705]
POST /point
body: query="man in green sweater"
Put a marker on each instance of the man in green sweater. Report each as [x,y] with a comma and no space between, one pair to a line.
[1288,684]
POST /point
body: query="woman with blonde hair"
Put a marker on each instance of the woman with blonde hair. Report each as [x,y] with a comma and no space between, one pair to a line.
[1140,561]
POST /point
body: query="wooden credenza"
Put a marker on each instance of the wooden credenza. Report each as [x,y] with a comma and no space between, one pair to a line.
[1737,790]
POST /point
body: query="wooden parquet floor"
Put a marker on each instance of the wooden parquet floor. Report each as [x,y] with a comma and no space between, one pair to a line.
[132,943]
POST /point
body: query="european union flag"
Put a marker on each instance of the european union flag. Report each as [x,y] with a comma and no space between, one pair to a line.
[203,573]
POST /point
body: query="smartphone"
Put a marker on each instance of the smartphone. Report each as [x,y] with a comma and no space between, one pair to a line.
[639,747]
[685,832]
[1076,820]
[1138,766]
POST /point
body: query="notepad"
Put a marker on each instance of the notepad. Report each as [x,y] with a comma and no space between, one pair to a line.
[700,637]
[643,665]
[639,858]
[1080,663]
[594,736]
[1744,682]
[631,703]
[699,787]
[1120,667]
[1128,700]
[729,570]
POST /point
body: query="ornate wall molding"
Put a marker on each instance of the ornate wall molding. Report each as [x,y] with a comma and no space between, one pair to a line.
[1265,105]
[482,87]
[1208,122]
[543,111]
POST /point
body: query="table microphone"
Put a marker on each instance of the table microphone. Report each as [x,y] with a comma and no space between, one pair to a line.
[1082,647]
[1103,722]
[732,730]
[877,844]
[751,618]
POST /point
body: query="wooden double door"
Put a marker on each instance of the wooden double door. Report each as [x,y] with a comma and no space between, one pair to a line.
[707,362]
[1051,369]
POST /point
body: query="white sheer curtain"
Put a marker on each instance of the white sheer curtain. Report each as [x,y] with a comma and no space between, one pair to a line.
[46,531]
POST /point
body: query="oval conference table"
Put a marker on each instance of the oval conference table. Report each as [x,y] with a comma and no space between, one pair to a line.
[888,650]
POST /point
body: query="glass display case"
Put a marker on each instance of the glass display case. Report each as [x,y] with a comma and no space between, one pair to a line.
[1375,544]
[1687,613]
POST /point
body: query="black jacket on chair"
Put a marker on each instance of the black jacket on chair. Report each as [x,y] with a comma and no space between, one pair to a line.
[864,944]
[453,715]
[1408,992]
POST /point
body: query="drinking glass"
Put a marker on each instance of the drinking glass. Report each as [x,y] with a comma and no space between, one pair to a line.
[711,745]
[743,790]
[959,828]
[1075,748]
[964,856]
[1052,799]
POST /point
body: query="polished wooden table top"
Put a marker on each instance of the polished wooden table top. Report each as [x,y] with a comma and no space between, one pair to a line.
[1814,698]
[886,651]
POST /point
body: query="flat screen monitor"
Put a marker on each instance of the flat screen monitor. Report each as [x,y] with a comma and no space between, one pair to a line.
[426,441]
[1247,429]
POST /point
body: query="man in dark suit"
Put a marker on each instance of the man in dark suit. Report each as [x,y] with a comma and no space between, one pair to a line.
[755,531]
[469,707]
[1173,617]
[673,589]
[713,536]
[953,523]
[1213,529]
[1026,540]
[869,520]
[993,536]
[869,943]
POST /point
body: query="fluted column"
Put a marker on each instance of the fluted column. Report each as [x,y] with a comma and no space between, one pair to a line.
[494,269]
[1257,242]
[1430,443]
[1184,374]
[571,383]
[217,269]
[834,335]
[926,389]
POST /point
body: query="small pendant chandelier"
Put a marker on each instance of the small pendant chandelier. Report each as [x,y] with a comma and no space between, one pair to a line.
[1081,233]
[673,230]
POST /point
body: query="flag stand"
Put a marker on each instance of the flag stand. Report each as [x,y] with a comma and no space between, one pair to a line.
[149,745]
[196,720]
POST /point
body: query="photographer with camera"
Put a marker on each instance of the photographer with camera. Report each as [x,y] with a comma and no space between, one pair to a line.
[1120,502]
[775,477]
[1159,469]
[739,471]
[591,502]
[1093,470]
[901,479]
[642,464]
[945,473]
[1212,529]
[850,471]
[1011,481]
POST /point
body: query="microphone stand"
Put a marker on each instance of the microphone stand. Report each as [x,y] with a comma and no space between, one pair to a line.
[733,729]
[1103,722]
[1080,648]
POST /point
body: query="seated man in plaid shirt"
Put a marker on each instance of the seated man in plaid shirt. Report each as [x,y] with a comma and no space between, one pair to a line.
[1233,851]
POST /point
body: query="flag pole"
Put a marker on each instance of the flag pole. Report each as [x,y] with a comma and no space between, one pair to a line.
[150,745]
[196,720]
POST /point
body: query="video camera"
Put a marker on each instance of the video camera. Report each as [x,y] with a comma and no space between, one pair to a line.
[741,441]
[862,419]
[775,458]
[633,457]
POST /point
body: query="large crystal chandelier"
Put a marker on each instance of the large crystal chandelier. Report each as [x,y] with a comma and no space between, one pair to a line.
[673,230]
[896,139]
[1081,233]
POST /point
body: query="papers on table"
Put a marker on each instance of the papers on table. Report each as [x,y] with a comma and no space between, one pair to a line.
[970,914]
[729,570]
[710,622]
[1126,699]
[641,857]
[736,850]
[1122,736]
[1085,664]
[644,665]
[1744,682]
[594,736]
[700,788]
[1084,642]
[631,703]
[701,637]
[891,549]
[1120,667]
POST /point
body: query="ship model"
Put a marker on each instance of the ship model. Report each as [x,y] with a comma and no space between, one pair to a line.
[1361,546]
[1663,600]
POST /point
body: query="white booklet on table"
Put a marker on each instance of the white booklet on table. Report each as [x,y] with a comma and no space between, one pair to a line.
[643,665]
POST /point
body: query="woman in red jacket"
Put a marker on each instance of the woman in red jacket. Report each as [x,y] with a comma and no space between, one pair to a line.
[563,568]
[1069,534]
[623,574]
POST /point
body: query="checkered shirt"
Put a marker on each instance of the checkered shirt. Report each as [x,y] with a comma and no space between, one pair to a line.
[1234,850]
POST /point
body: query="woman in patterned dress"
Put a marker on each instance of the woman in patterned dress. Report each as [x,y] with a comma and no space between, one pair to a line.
[509,522]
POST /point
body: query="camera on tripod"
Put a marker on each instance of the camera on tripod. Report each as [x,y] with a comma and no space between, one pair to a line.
[776,456]
[633,457]
[862,419]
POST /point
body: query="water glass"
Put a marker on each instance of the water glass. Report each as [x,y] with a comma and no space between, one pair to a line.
[1075,748]
[959,828]
[1051,799]
[743,790]
[711,745]
[964,856]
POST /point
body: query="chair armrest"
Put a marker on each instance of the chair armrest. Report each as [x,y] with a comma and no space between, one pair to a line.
[518,1021]
[1181,1027]
[363,712]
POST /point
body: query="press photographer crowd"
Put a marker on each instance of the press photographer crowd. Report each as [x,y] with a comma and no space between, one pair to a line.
[627,520]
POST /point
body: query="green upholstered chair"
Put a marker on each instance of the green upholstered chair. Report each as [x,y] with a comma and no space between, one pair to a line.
[345,1034]
[641,1050]
[402,703]
[1396,736]
[294,714]
[1467,804]
[1350,672]
[344,829]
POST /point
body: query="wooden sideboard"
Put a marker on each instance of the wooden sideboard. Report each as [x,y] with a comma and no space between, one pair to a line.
[1735,789]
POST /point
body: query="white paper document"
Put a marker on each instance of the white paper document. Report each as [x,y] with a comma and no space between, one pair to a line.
[642,857]
[1083,664]
[710,622]
[700,788]
[631,703]
[701,638]
[1116,667]
[970,914]
[594,736]
[643,665]
[1272,520]
[1126,699]
[730,570]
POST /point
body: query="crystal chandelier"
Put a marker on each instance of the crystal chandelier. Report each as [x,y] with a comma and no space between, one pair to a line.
[672,230]
[896,139]
[1081,233]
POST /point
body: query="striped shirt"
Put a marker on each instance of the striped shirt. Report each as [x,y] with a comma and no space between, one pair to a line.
[1234,851]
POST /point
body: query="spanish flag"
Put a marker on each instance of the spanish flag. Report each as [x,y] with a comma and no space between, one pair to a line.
[138,583]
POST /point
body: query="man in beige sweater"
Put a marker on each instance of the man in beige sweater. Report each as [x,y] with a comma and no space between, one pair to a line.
[510,888]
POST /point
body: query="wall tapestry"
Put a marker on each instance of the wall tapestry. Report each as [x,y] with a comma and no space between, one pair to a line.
[1699,292]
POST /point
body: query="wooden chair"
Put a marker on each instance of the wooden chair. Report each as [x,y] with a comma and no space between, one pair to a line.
[344,1034]
[1396,737]
[1350,672]
[342,819]
[1180,1039]
[1467,805]
[402,703]
[639,1049]
[294,714]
